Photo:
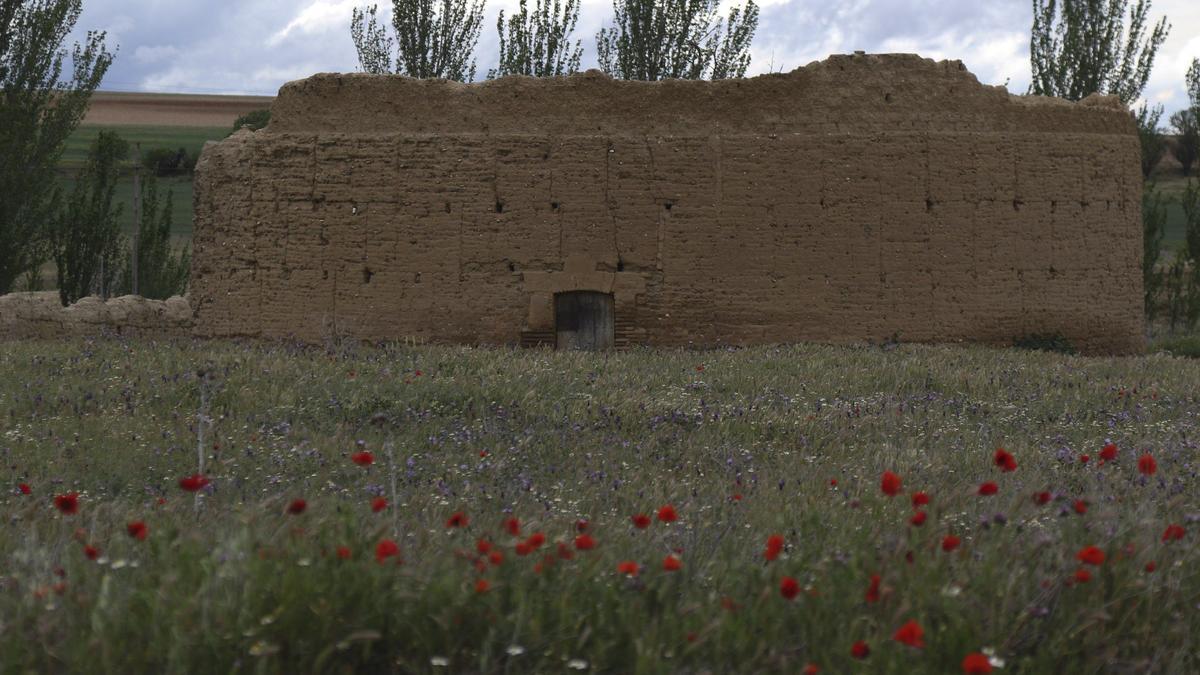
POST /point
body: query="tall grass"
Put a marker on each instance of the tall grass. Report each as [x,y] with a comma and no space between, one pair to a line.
[744,444]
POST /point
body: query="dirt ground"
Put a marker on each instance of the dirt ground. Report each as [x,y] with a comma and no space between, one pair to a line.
[185,110]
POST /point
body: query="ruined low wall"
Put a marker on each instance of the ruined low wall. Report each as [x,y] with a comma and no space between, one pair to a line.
[41,315]
[858,198]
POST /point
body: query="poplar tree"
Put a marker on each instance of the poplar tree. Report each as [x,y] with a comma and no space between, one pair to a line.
[676,39]
[433,38]
[89,250]
[38,111]
[1083,47]
[539,44]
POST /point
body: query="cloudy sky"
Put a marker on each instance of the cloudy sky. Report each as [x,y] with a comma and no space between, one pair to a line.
[254,46]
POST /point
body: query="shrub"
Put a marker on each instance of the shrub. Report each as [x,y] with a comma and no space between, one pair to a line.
[1045,342]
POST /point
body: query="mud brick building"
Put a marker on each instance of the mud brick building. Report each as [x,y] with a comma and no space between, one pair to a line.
[858,198]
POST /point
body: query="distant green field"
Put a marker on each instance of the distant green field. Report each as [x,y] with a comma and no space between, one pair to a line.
[191,139]
[181,204]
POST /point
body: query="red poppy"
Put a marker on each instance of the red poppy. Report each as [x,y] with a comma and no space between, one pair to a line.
[496,558]
[890,484]
[1151,566]
[872,594]
[68,503]
[91,552]
[789,588]
[1090,556]
[535,540]
[628,567]
[138,530]
[700,369]
[672,564]
[1173,533]
[1081,506]
[641,521]
[774,546]
[513,526]
[950,542]
[581,525]
[378,504]
[918,518]
[1147,465]
[1084,459]
[910,634]
[988,489]
[343,552]
[297,507]
[667,514]
[811,669]
[523,548]
[920,499]
[457,519]
[193,483]
[860,650]
[832,482]
[386,548]
[482,546]
[976,664]
[482,586]
[565,551]
[1004,460]
[1042,498]
[24,488]
[737,497]
[363,458]
[584,542]
[1109,452]
[1082,576]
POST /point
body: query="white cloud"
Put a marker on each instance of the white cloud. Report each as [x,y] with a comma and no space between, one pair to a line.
[145,54]
[319,17]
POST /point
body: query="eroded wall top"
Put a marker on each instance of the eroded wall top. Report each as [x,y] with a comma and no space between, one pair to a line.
[844,93]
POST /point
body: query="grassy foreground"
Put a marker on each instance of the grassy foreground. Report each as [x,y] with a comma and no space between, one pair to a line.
[239,577]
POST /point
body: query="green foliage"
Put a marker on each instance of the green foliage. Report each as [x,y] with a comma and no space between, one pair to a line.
[1179,345]
[255,119]
[676,39]
[228,582]
[1083,47]
[88,247]
[1154,144]
[162,272]
[1154,219]
[1181,280]
[1187,142]
[1045,342]
[433,38]
[166,162]
[1192,80]
[539,44]
[38,111]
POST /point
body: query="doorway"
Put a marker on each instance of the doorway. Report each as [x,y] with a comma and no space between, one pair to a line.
[583,320]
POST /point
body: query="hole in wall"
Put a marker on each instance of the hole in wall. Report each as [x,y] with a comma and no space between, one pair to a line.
[417,278]
[1017,204]
[447,207]
[887,97]
[928,205]
[324,274]
[367,274]
[554,205]
[668,206]
[620,265]
[512,267]
[499,206]
[1053,206]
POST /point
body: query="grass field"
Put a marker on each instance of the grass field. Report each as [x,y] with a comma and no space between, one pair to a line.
[741,444]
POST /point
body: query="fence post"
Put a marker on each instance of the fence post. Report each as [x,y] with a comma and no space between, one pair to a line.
[137,211]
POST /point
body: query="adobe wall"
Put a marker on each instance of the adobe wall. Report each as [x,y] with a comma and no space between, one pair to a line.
[856,198]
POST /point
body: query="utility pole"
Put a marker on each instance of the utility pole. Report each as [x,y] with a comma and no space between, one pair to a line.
[137,210]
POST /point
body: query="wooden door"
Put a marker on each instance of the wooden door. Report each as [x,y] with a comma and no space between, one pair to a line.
[583,320]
